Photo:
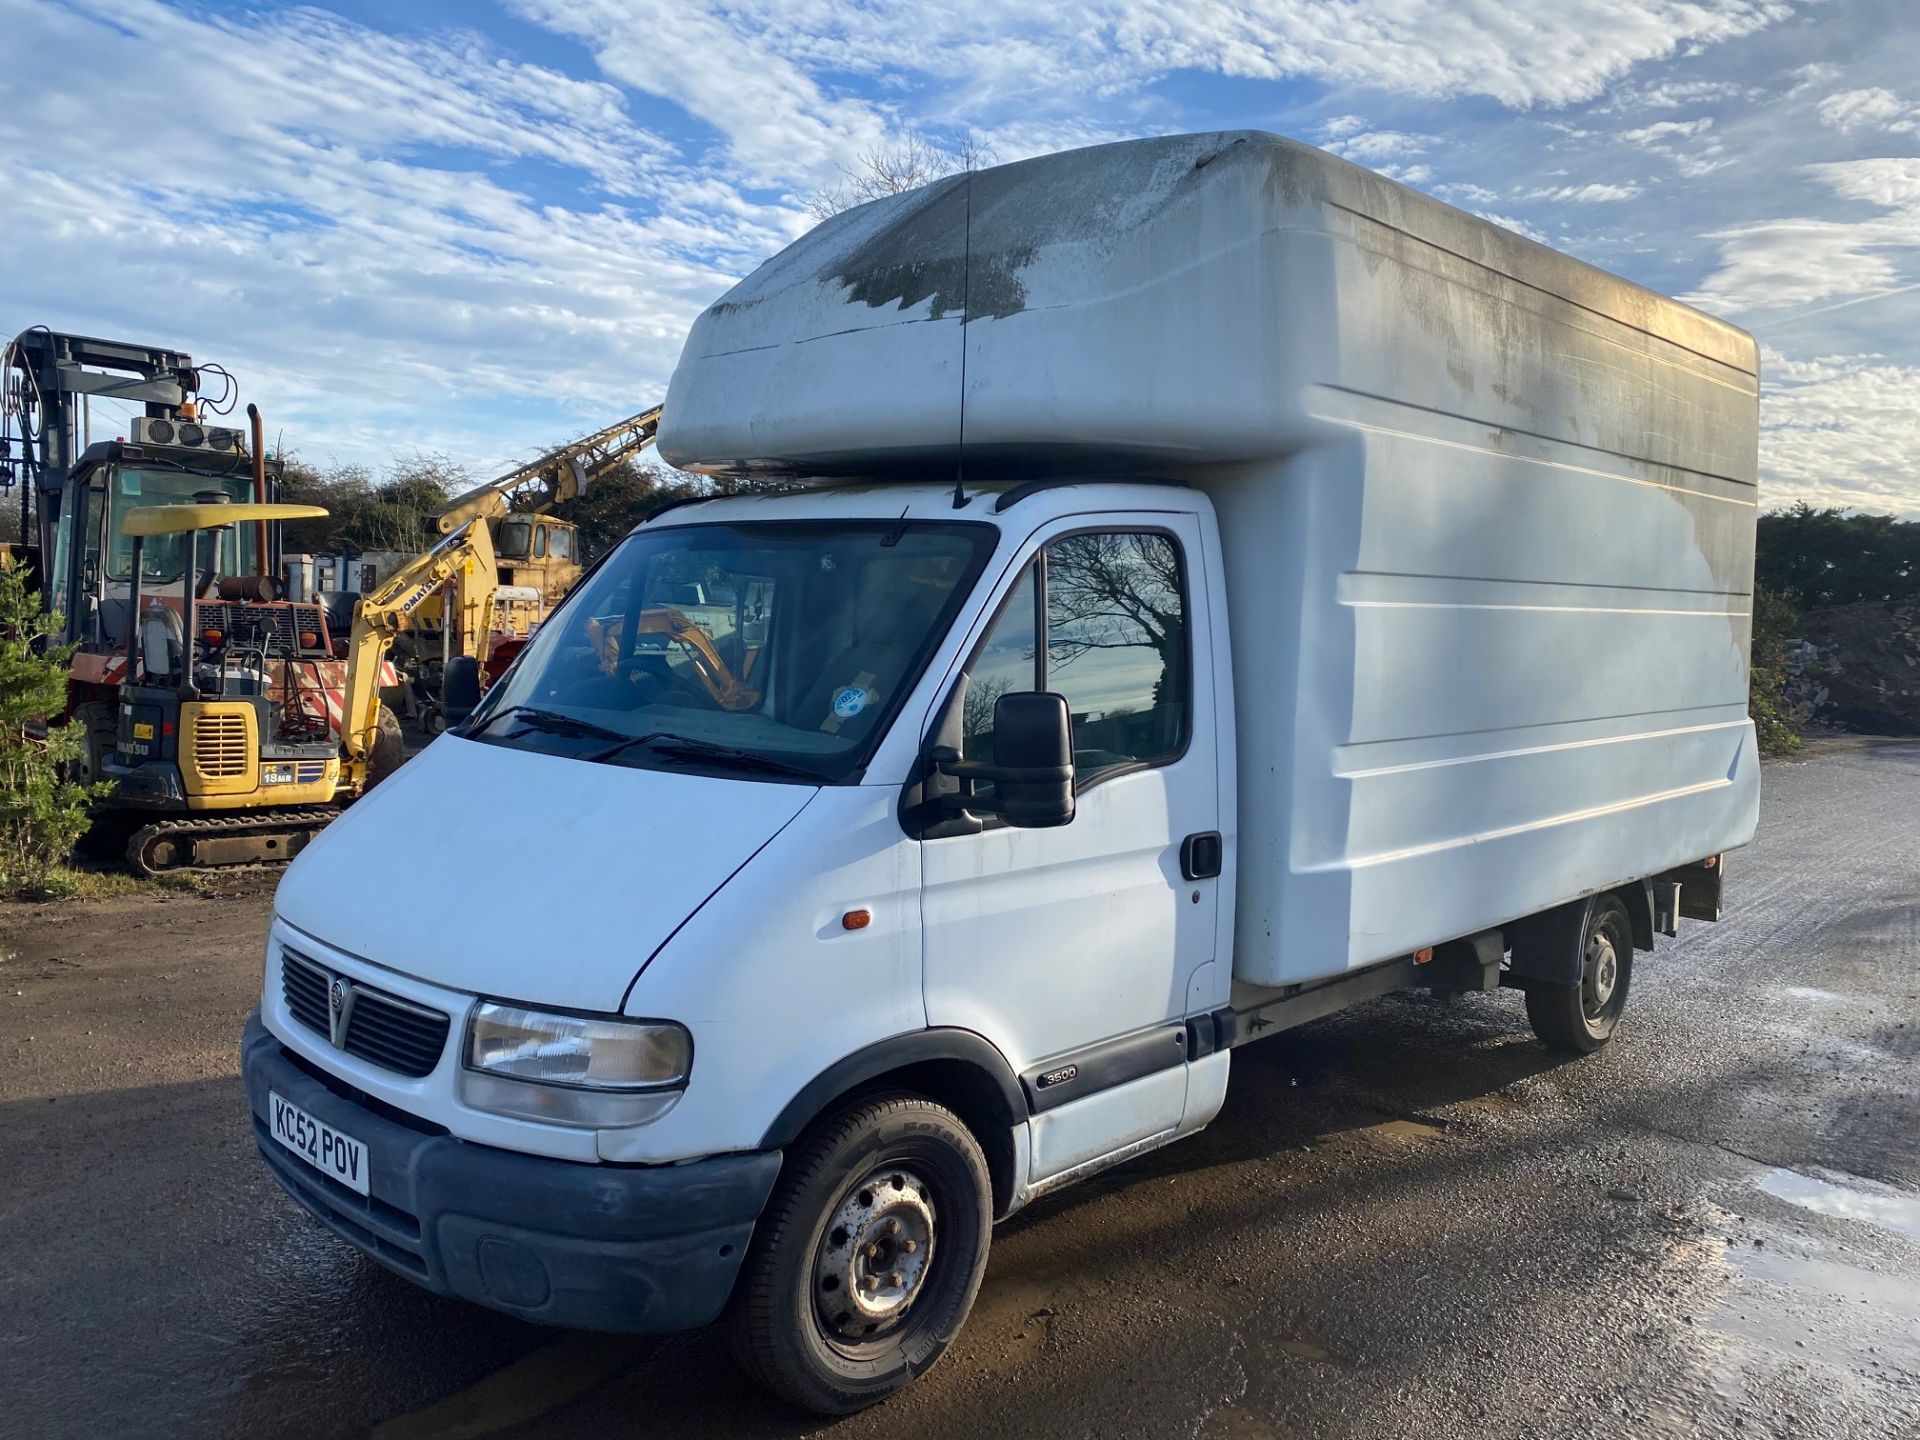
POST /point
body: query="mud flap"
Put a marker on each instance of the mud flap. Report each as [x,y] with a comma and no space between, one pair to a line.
[1546,946]
[1700,887]
[1472,963]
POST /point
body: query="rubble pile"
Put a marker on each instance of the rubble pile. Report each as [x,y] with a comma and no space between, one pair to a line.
[1856,667]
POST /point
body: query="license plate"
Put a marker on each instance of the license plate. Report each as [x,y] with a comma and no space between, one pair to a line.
[338,1156]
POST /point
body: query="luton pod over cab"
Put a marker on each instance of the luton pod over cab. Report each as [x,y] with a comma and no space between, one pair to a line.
[1212,585]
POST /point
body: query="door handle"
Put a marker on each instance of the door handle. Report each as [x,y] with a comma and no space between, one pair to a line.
[1200,855]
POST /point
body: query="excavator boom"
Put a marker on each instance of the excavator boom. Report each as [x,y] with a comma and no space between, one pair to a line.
[380,615]
[565,472]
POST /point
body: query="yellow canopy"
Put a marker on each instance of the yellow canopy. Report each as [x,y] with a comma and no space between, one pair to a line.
[179,519]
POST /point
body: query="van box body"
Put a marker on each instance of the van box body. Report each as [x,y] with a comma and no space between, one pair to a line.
[1487,512]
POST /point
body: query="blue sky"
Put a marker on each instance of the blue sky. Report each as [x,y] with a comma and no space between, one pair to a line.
[482,227]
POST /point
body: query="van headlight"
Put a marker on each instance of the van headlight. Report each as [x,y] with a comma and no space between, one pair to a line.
[589,1070]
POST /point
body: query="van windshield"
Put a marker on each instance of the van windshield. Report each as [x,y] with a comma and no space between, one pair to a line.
[778,650]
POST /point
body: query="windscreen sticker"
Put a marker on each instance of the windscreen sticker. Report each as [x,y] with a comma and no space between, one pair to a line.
[849,701]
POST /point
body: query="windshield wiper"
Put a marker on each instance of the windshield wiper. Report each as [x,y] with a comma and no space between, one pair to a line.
[687,748]
[550,721]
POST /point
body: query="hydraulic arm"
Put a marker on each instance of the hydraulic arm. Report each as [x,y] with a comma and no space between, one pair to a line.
[566,472]
[533,551]
[466,553]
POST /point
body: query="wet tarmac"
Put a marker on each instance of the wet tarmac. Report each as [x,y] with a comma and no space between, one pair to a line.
[1411,1220]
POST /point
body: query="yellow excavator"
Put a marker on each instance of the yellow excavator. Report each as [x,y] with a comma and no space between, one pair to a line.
[236,733]
[240,741]
[465,556]
[534,558]
[240,731]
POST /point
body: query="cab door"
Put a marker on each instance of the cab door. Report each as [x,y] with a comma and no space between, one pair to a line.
[1073,949]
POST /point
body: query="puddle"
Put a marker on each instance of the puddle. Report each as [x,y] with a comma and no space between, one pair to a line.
[1847,1197]
[1816,1275]
[1818,1312]
[1810,1307]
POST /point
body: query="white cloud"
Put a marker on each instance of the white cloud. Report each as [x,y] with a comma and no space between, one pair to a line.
[1673,94]
[1550,55]
[1689,144]
[771,78]
[1891,183]
[1592,193]
[1841,430]
[748,80]
[1773,264]
[422,239]
[1519,227]
[1370,147]
[293,213]
[1871,109]
[1467,193]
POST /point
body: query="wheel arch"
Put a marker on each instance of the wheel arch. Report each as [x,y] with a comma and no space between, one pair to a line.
[959,1069]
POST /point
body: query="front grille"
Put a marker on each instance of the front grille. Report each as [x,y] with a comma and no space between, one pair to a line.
[220,746]
[273,630]
[382,1029]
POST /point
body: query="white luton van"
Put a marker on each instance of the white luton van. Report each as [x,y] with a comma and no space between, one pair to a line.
[1183,587]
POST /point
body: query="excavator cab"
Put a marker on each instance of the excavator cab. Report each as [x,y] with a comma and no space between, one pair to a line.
[220,709]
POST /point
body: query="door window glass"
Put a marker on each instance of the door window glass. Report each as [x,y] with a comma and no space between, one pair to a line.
[540,543]
[1116,648]
[1007,661]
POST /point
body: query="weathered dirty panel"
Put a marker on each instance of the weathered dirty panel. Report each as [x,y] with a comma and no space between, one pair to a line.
[1488,512]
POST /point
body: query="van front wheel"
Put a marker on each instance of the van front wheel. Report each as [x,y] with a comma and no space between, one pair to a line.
[865,1264]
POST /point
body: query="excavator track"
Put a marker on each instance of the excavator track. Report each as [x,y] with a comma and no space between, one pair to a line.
[225,844]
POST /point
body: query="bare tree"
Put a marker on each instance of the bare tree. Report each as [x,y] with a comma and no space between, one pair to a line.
[889,170]
[1109,591]
[977,712]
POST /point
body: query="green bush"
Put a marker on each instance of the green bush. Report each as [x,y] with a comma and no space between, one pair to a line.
[42,814]
[1816,558]
[1773,623]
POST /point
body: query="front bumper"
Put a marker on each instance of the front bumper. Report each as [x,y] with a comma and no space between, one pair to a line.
[596,1247]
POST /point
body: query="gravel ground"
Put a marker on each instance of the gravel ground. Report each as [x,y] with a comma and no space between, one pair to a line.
[1411,1220]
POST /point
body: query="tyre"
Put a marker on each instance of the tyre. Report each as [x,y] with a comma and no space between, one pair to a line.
[389,750]
[98,725]
[866,1262]
[1580,1018]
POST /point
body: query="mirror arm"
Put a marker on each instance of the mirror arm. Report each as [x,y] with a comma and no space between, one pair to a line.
[1019,775]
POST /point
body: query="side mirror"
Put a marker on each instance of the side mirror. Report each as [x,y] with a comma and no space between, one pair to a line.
[459,689]
[1032,768]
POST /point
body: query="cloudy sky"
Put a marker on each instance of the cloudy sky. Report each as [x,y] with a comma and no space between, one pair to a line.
[483,227]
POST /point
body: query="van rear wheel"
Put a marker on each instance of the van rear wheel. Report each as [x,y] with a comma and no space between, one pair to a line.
[1580,1018]
[866,1262]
